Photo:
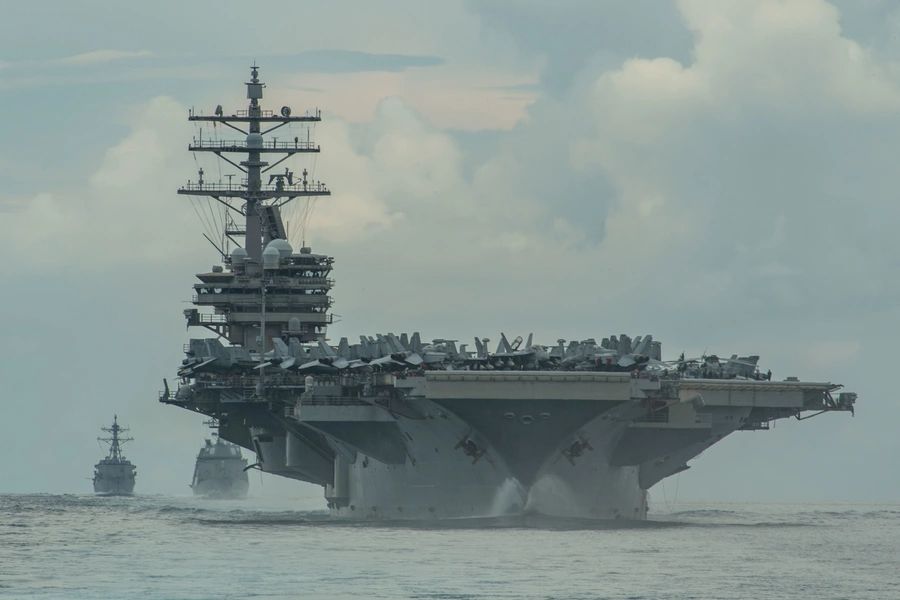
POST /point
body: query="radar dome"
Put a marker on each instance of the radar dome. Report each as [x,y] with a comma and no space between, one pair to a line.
[270,257]
[294,325]
[255,140]
[238,256]
[283,247]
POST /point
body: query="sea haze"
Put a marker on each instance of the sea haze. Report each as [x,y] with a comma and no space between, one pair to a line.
[81,546]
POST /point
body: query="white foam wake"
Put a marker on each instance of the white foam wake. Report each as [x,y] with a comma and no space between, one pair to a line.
[508,499]
[551,496]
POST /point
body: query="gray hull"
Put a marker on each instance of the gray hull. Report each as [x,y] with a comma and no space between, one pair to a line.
[458,445]
[231,487]
[116,479]
[425,473]
[220,471]
[446,484]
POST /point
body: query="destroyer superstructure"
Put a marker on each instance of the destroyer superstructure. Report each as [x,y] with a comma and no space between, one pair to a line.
[394,427]
[220,470]
[114,475]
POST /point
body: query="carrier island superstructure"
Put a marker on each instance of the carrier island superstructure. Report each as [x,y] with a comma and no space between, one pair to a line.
[394,427]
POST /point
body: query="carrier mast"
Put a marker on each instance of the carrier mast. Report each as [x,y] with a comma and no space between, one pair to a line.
[262,224]
[259,297]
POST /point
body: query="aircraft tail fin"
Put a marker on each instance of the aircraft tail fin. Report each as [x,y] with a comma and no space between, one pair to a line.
[415,343]
[394,343]
[643,347]
[365,351]
[503,346]
[327,350]
[280,349]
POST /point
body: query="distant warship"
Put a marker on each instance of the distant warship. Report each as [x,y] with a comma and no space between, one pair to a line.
[397,427]
[114,475]
[220,471]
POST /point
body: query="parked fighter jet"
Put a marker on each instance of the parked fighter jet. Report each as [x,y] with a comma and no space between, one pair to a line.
[713,367]
[326,360]
[611,355]
[392,353]
[532,356]
[209,354]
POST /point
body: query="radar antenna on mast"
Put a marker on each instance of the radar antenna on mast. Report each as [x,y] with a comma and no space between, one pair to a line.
[115,440]
[254,123]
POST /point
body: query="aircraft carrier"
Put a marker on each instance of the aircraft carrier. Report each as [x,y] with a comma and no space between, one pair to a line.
[114,475]
[397,427]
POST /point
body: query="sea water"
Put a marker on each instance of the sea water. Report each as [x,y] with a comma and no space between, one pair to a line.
[81,546]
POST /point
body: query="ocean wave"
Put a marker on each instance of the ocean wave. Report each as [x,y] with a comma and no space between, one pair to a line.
[237,518]
[710,512]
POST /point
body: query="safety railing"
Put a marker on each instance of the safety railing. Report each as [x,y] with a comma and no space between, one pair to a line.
[265,114]
[213,319]
[657,416]
[326,401]
[299,188]
[240,145]
[302,300]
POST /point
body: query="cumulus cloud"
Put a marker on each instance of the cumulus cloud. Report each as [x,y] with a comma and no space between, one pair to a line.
[126,211]
[739,151]
[715,192]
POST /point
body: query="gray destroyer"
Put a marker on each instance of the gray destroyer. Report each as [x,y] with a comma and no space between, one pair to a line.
[114,475]
[396,427]
[220,471]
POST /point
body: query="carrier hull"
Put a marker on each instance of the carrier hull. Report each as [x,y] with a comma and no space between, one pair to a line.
[458,445]
[463,444]
[439,481]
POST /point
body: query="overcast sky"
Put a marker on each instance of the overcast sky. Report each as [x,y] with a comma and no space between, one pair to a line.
[722,174]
